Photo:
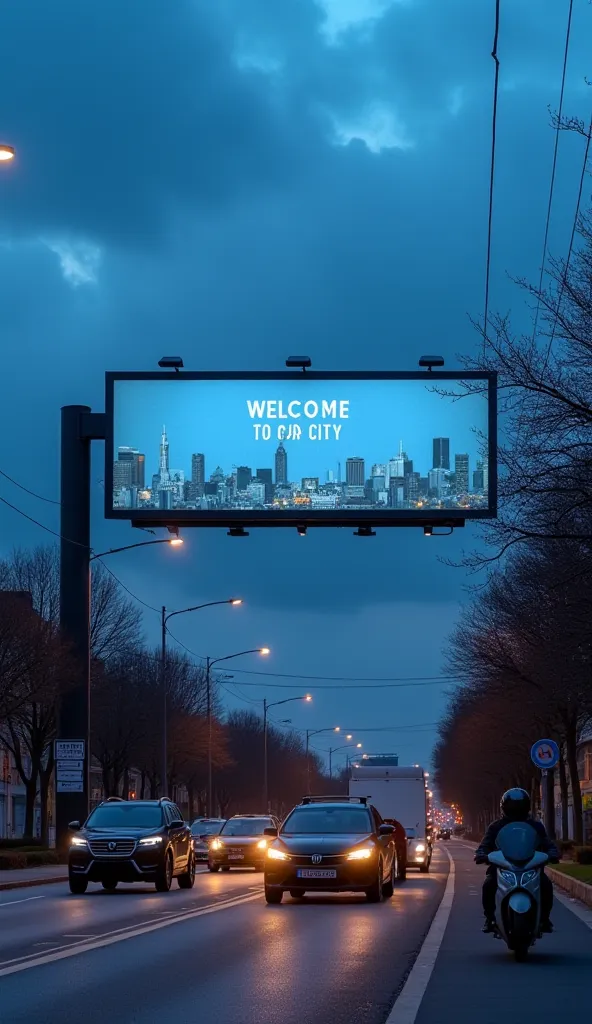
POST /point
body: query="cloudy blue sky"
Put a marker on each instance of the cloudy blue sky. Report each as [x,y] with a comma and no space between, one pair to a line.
[239,180]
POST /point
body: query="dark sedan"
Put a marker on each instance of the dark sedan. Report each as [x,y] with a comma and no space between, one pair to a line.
[203,830]
[327,845]
[241,843]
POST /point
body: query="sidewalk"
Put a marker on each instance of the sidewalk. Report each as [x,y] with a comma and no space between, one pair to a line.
[21,878]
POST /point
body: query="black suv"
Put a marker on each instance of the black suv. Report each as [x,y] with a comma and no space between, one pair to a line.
[131,841]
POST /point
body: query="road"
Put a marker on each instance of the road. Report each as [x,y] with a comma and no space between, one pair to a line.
[219,950]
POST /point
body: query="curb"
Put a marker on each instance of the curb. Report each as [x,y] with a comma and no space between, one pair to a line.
[25,884]
[579,890]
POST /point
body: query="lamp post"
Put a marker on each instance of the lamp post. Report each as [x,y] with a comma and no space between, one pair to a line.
[173,542]
[210,662]
[164,618]
[309,733]
[307,697]
[334,750]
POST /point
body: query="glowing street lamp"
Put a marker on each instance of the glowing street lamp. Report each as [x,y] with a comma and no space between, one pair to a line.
[7,153]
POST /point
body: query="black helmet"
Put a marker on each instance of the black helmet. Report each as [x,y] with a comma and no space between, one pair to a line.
[515,804]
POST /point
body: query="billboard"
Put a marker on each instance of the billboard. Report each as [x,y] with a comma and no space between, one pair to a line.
[313,448]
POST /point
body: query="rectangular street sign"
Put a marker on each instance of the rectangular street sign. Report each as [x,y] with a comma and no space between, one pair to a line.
[70,787]
[317,449]
[69,776]
[69,750]
[69,766]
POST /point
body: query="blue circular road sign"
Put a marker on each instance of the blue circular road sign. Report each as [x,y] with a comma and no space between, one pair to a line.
[545,754]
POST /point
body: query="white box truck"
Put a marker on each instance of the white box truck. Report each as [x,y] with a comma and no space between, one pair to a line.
[401,793]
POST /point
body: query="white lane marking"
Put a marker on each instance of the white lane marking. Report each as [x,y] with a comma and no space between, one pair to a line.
[108,940]
[27,900]
[409,1001]
[80,935]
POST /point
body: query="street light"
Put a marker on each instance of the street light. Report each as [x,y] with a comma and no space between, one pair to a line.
[333,750]
[210,662]
[173,542]
[164,618]
[315,732]
[288,700]
[7,153]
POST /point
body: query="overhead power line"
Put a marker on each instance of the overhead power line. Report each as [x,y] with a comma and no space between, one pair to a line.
[27,490]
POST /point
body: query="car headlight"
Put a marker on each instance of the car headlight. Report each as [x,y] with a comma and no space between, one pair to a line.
[363,854]
[216,845]
[274,854]
[262,844]
[527,877]
[420,848]
[151,841]
[78,841]
[508,876]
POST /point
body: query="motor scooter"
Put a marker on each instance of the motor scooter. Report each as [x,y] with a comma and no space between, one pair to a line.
[518,898]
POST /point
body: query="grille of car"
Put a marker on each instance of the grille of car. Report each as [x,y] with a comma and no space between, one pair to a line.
[112,847]
[328,860]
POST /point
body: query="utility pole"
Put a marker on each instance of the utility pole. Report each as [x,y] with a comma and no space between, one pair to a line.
[265,777]
[209,714]
[79,426]
[164,768]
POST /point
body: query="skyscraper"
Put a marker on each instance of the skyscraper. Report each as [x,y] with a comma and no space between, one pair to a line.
[461,472]
[266,477]
[441,459]
[478,477]
[244,475]
[198,473]
[163,462]
[354,472]
[281,465]
[138,462]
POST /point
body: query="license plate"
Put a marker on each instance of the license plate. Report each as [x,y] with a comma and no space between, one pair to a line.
[236,856]
[316,873]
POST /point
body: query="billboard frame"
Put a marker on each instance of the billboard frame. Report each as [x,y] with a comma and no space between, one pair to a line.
[236,519]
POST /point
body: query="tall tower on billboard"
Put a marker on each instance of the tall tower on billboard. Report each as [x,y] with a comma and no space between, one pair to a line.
[461,470]
[281,465]
[441,459]
[198,473]
[354,472]
[163,462]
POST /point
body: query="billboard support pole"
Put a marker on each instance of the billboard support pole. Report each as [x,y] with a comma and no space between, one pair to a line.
[78,427]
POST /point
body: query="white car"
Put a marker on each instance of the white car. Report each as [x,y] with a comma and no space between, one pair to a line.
[419,851]
[203,831]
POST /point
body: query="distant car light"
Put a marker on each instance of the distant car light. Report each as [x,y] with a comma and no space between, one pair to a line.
[215,844]
[364,854]
[262,844]
[420,848]
[274,854]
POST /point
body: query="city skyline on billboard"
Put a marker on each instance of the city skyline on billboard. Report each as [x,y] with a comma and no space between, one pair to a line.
[330,446]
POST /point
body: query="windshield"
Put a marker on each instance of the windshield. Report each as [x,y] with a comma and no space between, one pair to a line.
[328,821]
[126,816]
[410,833]
[246,826]
[206,828]
[518,841]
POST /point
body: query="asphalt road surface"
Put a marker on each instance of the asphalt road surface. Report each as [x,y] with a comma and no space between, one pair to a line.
[219,953]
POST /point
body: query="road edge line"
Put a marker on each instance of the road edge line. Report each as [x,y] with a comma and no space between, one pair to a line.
[110,940]
[410,999]
[30,882]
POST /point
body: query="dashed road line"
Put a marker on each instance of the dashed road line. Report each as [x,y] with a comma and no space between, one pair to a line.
[28,899]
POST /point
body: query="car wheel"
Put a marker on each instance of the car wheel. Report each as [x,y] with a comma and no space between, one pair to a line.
[226,867]
[375,892]
[388,888]
[109,886]
[424,868]
[213,867]
[164,876]
[273,895]
[78,886]
[187,879]
[402,873]
[297,894]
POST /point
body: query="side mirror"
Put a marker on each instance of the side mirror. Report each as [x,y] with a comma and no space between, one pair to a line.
[74,826]
[177,823]
[270,832]
[386,830]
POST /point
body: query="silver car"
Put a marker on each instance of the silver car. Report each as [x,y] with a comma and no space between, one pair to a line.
[203,830]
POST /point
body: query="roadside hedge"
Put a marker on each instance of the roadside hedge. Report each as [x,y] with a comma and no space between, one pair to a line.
[583,854]
[15,859]
[26,843]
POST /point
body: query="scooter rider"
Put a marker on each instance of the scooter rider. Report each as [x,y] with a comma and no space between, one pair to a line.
[515,806]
